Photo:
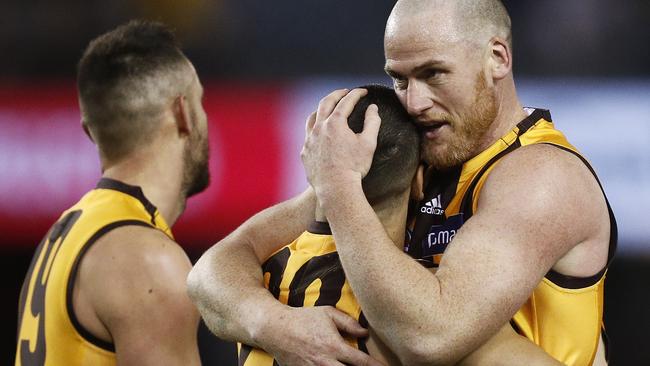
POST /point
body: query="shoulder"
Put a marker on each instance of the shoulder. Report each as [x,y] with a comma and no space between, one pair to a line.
[542,169]
[548,169]
[134,265]
[136,249]
[552,189]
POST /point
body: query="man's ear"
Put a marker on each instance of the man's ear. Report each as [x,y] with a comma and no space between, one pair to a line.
[86,130]
[417,185]
[182,115]
[500,58]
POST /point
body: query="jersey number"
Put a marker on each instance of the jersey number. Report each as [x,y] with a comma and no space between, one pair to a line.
[326,268]
[31,320]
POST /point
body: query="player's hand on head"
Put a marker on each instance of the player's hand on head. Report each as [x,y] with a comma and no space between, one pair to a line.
[332,152]
[314,336]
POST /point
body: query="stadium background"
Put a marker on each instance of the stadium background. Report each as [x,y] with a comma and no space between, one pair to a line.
[265,65]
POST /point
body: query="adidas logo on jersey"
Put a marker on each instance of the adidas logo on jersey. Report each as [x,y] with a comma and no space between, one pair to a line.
[433,207]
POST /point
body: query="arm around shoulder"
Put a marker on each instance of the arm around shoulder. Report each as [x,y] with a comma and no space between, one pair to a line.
[226,283]
[536,205]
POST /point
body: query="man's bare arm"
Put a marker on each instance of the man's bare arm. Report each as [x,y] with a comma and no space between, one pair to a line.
[131,291]
[507,348]
[491,268]
[227,286]
[226,283]
[494,263]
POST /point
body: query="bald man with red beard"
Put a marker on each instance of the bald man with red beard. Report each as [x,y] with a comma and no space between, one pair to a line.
[521,235]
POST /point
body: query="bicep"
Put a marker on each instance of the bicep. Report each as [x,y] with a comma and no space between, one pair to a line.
[163,336]
[143,302]
[274,227]
[521,228]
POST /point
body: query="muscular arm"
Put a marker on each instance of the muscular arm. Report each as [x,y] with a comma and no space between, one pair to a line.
[131,291]
[509,348]
[491,268]
[537,204]
[227,286]
[226,283]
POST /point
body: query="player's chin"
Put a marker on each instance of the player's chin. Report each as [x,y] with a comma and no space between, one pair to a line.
[440,155]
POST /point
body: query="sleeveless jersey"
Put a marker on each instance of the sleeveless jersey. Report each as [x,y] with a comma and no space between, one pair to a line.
[306,273]
[564,314]
[48,331]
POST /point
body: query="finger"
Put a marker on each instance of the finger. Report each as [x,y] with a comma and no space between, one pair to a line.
[356,357]
[346,324]
[327,104]
[371,124]
[347,103]
[309,125]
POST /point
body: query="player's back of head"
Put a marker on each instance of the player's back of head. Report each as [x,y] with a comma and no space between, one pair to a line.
[397,155]
[125,78]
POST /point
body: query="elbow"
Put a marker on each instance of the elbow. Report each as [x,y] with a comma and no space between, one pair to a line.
[194,285]
[197,290]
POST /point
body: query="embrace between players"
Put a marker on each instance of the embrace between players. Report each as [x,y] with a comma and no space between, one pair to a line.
[532,231]
[328,278]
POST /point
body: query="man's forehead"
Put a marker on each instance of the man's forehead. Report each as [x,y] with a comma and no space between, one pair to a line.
[424,28]
[409,55]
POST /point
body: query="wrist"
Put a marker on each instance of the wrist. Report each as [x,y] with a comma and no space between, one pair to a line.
[336,185]
[263,325]
[334,181]
[344,191]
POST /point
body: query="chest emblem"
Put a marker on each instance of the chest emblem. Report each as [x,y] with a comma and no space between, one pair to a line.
[439,236]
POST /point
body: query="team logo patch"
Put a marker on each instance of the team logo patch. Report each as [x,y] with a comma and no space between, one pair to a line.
[433,207]
[439,236]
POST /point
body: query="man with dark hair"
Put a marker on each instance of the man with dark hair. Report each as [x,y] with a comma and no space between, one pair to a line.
[292,270]
[106,285]
[513,220]
[307,272]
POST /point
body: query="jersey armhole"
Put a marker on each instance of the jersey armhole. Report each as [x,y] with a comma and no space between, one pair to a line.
[571,282]
[558,279]
[81,330]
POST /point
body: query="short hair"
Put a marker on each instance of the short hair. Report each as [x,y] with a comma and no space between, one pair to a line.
[485,16]
[397,154]
[472,17]
[124,78]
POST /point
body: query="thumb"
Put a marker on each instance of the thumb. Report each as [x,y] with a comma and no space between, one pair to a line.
[346,324]
[371,124]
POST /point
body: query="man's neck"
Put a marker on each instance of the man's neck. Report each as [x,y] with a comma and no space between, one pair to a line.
[509,114]
[159,180]
[392,214]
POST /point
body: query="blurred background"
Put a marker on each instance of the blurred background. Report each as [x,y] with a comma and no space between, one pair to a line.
[265,65]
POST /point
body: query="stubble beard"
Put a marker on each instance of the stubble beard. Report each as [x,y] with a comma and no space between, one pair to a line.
[468,131]
[196,175]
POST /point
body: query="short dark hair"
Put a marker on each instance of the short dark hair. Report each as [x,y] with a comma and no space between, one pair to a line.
[398,144]
[122,79]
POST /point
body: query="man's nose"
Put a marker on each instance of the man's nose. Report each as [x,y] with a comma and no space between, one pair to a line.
[418,98]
